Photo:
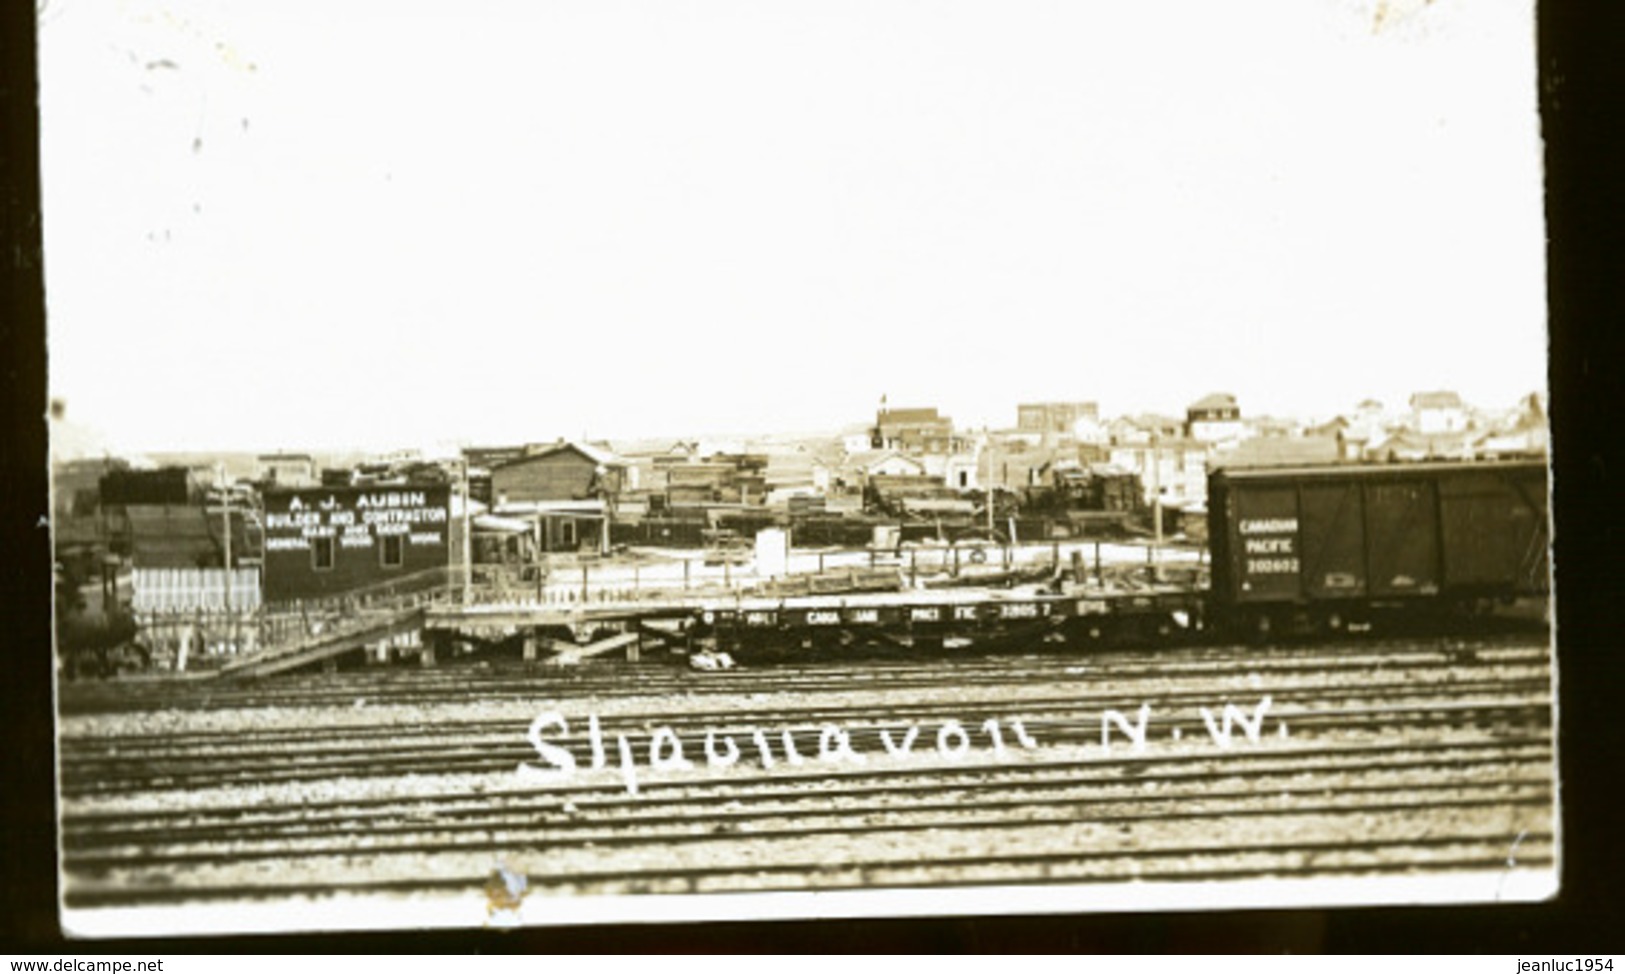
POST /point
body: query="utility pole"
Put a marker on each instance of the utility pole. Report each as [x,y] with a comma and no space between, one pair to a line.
[1156,487]
[468,540]
[990,464]
[225,512]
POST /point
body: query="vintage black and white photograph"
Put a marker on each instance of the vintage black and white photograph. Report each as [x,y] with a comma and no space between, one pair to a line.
[521,465]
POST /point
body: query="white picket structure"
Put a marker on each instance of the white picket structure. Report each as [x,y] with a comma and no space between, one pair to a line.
[177,590]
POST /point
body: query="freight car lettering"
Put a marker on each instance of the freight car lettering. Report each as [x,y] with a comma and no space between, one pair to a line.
[924,615]
[965,613]
[823,618]
[1024,611]
[1269,546]
[866,615]
[1272,566]
[1091,607]
[759,618]
[1269,525]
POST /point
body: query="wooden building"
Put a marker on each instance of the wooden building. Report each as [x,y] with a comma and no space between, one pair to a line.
[328,541]
[561,472]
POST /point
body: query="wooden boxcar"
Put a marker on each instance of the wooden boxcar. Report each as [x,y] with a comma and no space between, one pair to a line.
[1331,545]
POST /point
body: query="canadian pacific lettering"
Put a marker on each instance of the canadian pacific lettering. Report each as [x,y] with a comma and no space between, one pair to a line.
[1269,525]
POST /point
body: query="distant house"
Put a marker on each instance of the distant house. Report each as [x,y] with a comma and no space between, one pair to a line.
[857,440]
[888,464]
[1215,418]
[561,472]
[1054,417]
[1332,428]
[1438,412]
[1534,440]
[1406,445]
[1142,428]
[1525,433]
[1174,471]
[286,470]
[961,471]
[913,431]
[1091,431]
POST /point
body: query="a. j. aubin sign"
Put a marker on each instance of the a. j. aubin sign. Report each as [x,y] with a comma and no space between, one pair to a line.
[324,541]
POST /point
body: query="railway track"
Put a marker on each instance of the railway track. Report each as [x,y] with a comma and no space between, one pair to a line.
[512,681]
[593,839]
[1059,708]
[1394,760]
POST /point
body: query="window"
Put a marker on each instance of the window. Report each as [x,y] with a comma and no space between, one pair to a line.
[321,554]
[390,553]
[567,534]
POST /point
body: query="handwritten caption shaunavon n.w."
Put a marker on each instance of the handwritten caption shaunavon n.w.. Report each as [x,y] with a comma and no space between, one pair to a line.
[951,740]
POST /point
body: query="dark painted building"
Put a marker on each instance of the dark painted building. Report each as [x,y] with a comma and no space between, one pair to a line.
[563,472]
[330,540]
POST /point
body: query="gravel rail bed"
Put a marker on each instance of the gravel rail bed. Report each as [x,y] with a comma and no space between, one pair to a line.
[1194,863]
[511,680]
[1060,725]
[1385,759]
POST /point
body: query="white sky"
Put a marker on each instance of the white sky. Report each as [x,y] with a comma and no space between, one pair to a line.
[387,223]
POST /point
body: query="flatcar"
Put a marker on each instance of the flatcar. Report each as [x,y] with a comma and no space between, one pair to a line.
[1332,547]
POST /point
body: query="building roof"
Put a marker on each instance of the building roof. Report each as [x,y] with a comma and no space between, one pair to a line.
[1215,400]
[869,461]
[597,454]
[921,415]
[1406,442]
[1443,399]
[1167,443]
[173,536]
[1280,451]
[589,507]
[1147,421]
